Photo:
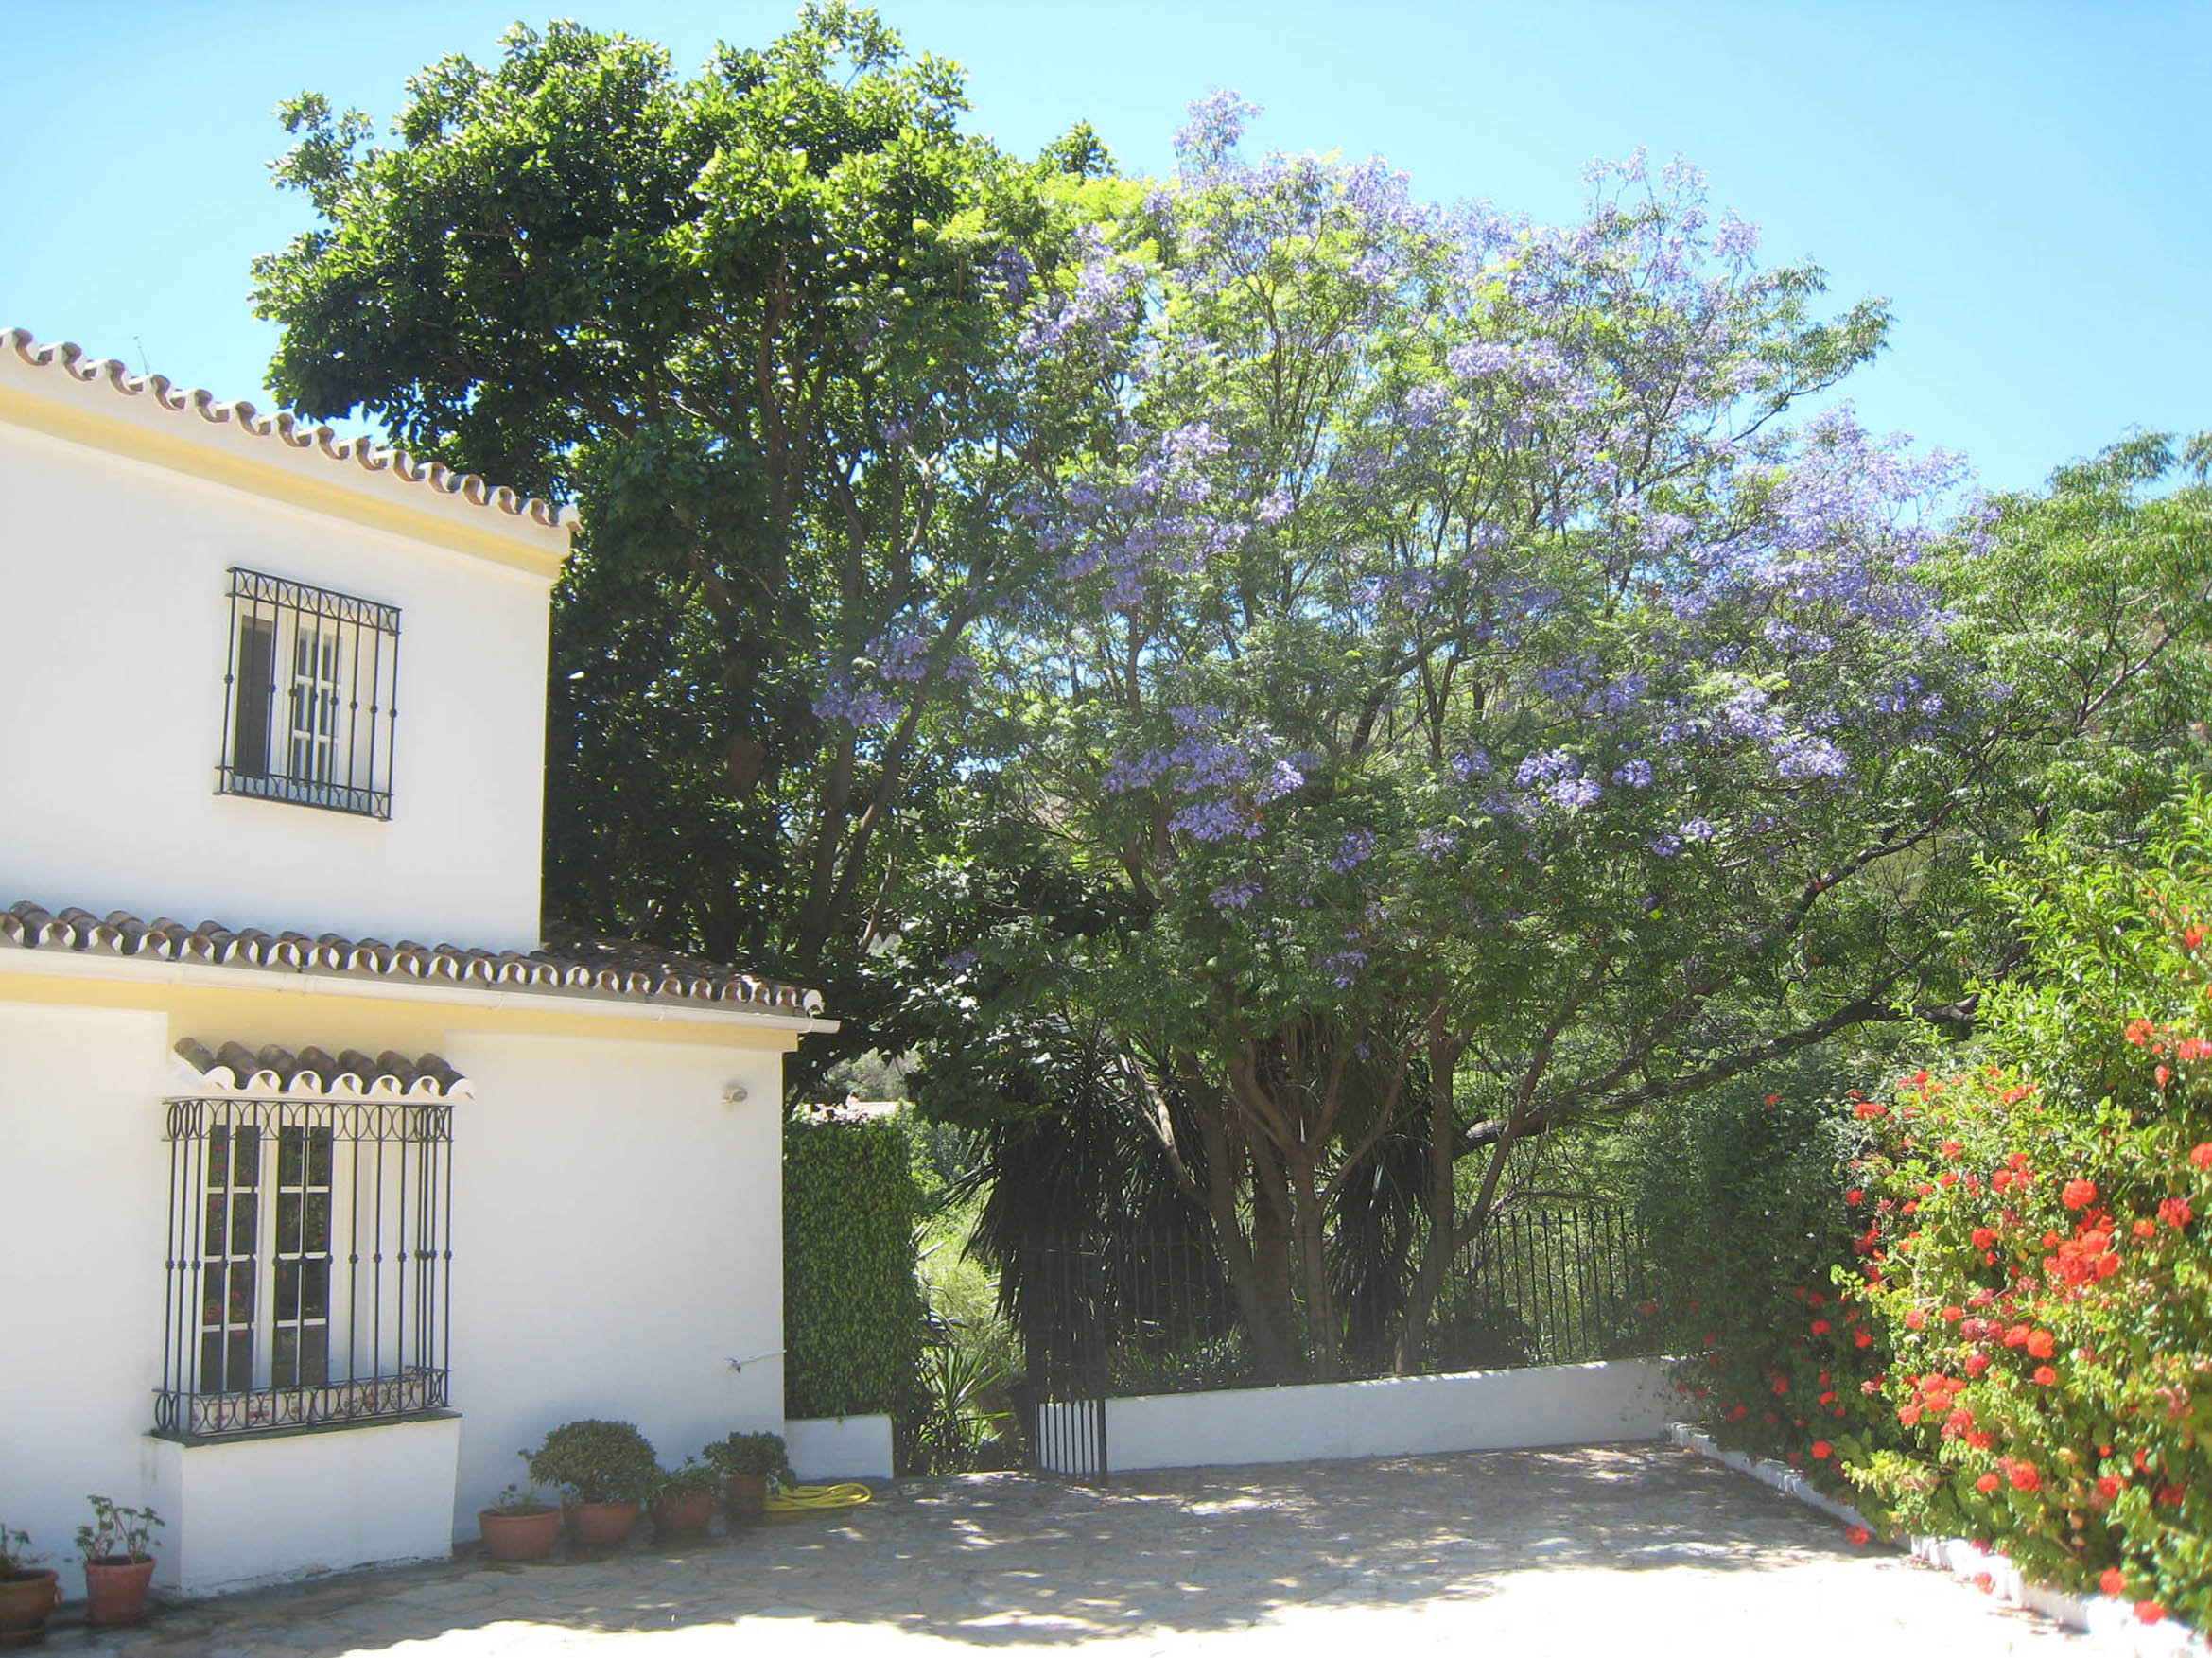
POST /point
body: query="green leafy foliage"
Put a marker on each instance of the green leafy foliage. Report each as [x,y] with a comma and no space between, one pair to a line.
[595,1461]
[753,1456]
[687,1478]
[15,1556]
[118,1533]
[760,323]
[852,1317]
[1744,1215]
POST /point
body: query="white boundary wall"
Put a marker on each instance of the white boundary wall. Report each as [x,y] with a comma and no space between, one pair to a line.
[838,1447]
[1398,1416]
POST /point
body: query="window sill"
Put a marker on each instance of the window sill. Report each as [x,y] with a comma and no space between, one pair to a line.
[200,1419]
[299,1431]
[340,797]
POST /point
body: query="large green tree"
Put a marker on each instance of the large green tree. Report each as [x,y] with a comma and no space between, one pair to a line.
[759,323]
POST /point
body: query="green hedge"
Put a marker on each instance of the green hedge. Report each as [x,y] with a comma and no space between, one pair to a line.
[852,1315]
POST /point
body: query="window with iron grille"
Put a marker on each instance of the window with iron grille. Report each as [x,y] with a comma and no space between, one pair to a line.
[310,696]
[309,1266]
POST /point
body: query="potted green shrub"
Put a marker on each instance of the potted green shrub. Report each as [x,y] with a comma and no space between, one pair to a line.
[519,1525]
[28,1592]
[118,1560]
[746,1463]
[683,1500]
[608,1468]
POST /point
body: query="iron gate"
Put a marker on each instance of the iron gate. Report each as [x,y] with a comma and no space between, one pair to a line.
[1070,1361]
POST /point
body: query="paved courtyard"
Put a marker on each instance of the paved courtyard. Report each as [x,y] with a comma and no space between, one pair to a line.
[1630,1549]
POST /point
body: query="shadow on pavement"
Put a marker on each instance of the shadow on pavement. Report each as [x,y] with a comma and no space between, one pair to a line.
[1006,1560]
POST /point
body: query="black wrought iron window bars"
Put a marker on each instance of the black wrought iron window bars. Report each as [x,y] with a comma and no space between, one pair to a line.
[309,1267]
[310,705]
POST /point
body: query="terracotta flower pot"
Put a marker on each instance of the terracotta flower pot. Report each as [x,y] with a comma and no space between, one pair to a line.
[527,1536]
[114,1589]
[747,1493]
[683,1514]
[24,1601]
[601,1525]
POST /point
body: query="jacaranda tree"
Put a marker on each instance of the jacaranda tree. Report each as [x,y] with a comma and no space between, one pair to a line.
[1491,707]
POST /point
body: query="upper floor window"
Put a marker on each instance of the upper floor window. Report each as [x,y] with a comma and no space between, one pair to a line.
[311,696]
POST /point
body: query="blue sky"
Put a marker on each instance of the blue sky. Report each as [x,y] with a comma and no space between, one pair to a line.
[2030,184]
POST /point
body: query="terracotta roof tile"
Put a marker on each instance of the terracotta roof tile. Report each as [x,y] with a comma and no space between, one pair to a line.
[234,1069]
[630,972]
[283,426]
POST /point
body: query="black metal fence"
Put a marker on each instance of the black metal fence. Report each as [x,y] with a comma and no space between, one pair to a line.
[1550,1283]
[1560,1281]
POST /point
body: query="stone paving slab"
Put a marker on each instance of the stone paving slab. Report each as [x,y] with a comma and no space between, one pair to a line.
[1624,1549]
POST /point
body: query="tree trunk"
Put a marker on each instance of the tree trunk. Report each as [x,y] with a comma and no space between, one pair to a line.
[1324,1339]
[1437,1258]
[1271,1252]
[1439,1201]
[1247,1274]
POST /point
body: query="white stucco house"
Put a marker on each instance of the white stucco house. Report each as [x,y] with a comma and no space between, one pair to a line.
[307,1225]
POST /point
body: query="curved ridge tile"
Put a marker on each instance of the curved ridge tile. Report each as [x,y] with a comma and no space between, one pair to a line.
[281,425]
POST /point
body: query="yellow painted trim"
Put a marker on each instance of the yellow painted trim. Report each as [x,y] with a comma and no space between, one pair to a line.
[207,457]
[276,1012]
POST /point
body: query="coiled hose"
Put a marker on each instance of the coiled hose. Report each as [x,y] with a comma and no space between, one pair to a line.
[810,1499]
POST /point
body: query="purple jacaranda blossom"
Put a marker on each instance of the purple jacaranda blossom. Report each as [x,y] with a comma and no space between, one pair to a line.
[902,656]
[1344,967]
[1284,777]
[1809,756]
[1698,829]
[1355,849]
[1234,896]
[1573,794]
[1546,767]
[1747,714]
[1635,775]
[1735,240]
[1215,127]
[1011,269]
[1214,820]
[1664,846]
[1436,844]
[858,706]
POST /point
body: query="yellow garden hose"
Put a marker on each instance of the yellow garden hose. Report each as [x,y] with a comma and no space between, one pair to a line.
[808,1499]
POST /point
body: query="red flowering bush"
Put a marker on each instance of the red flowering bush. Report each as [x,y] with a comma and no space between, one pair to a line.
[2018,1346]
[2050,1331]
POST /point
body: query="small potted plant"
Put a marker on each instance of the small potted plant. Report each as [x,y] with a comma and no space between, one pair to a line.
[118,1562]
[28,1592]
[608,1468]
[746,1463]
[519,1527]
[683,1501]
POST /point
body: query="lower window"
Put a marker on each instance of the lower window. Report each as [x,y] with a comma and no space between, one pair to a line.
[308,1262]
